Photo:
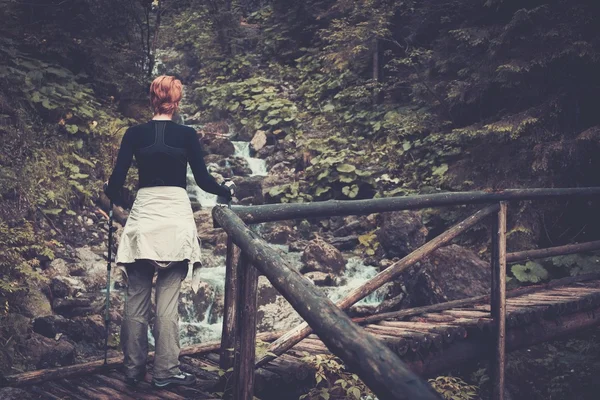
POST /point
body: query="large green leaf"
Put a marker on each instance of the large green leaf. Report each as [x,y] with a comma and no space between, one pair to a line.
[346,168]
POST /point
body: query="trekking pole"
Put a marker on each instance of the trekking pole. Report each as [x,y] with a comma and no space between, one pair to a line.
[108,268]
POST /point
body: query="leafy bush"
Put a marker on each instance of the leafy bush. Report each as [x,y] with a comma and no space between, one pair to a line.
[333,381]
[22,250]
[453,388]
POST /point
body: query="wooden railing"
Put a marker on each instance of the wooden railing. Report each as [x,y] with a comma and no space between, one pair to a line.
[378,366]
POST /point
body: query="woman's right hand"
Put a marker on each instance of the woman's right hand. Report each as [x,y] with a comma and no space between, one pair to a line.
[231,186]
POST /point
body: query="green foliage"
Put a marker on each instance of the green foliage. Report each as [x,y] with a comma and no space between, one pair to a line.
[18,261]
[453,388]
[333,381]
[331,173]
[577,264]
[257,103]
[288,193]
[369,242]
[529,272]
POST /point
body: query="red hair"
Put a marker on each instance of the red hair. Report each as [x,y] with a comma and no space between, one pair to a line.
[165,93]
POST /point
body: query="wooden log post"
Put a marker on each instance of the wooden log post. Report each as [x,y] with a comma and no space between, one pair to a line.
[246,331]
[372,360]
[498,304]
[227,352]
[295,335]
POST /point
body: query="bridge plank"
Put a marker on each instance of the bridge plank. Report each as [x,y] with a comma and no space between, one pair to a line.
[90,393]
[424,339]
[136,392]
[452,332]
[44,393]
[62,392]
[146,386]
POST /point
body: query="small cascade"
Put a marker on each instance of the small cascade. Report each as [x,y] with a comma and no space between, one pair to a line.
[193,330]
[356,274]
[257,165]
[208,200]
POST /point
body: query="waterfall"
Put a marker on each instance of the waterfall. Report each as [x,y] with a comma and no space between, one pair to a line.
[207,200]
[257,165]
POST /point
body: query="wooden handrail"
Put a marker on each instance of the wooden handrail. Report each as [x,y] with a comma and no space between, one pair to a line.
[279,212]
[373,361]
[552,251]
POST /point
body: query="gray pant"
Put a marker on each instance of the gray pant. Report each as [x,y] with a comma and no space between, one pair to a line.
[134,329]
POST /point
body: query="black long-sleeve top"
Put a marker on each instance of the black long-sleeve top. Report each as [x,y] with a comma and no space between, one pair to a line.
[162,150]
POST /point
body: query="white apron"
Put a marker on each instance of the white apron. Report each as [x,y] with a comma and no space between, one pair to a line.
[160,229]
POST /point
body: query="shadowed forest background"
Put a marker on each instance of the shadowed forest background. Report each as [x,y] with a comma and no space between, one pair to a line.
[350,99]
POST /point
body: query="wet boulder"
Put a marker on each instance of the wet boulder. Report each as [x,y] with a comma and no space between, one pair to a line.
[218,145]
[204,224]
[278,233]
[321,256]
[35,304]
[401,232]
[259,140]
[43,352]
[250,188]
[320,278]
[450,273]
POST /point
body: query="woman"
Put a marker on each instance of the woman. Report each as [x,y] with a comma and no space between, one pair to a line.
[160,234]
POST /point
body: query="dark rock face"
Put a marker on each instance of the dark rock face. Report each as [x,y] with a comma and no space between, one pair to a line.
[35,304]
[250,188]
[44,352]
[450,273]
[401,232]
[60,288]
[218,145]
[321,256]
[278,233]
[89,328]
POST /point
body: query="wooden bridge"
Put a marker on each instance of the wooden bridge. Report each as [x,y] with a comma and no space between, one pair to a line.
[387,350]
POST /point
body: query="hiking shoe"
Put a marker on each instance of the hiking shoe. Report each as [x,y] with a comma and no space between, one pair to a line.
[180,379]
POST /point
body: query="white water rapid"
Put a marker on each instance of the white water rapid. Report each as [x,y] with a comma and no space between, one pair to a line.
[206,200]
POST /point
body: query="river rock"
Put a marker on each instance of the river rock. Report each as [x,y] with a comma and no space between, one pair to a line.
[193,306]
[321,256]
[249,187]
[259,140]
[35,304]
[450,273]
[50,325]
[58,267]
[14,328]
[277,315]
[345,242]
[94,266]
[217,128]
[320,278]
[278,233]
[297,245]
[204,224]
[265,152]
[73,306]
[238,165]
[218,145]
[43,352]
[401,232]
[11,393]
